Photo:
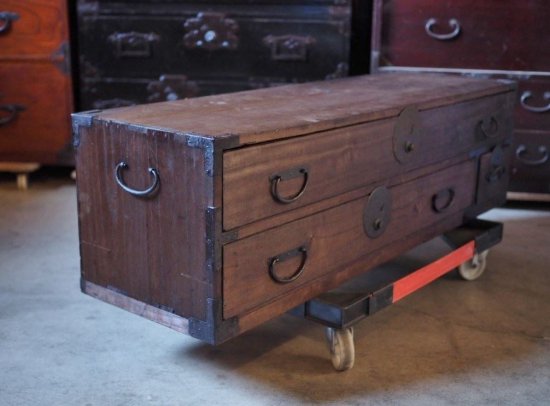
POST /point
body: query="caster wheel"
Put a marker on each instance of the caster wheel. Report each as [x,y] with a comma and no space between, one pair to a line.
[472,269]
[341,347]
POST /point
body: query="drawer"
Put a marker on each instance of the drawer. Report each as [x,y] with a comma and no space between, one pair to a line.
[466,34]
[34,115]
[256,180]
[217,42]
[531,165]
[270,264]
[32,27]
[533,106]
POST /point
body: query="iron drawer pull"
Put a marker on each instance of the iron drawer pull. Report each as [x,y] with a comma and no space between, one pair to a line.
[293,173]
[453,23]
[533,109]
[283,257]
[542,150]
[139,193]
[12,110]
[6,18]
[496,173]
[443,199]
[489,130]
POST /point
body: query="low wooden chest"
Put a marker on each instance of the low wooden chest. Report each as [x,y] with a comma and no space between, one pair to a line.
[213,215]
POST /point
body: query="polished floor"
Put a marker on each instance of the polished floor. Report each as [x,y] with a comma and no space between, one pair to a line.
[454,342]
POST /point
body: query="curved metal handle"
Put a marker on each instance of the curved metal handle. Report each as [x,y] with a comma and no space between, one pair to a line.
[139,193]
[293,173]
[283,257]
[443,199]
[13,110]
[453,23]
[542,150]
[6,18]
[533,109]
[488,128]
[496,173]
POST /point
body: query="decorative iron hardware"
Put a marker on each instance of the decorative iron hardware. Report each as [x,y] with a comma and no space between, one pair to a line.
[133,44]
[488,127]
[406,135]
[290,174]
[342,70]
[289,47]
[283,257]
[6,19]
[139,193]
[497,170]
[61,58]
[377,212]
[453,23]
[13,111]
[522,154]
[171,87]
[534,109]
[211,31]
[443,200]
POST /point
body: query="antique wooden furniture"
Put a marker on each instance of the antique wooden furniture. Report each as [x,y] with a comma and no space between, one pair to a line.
[35,82]
[484,39]
[148,51]
[215,214]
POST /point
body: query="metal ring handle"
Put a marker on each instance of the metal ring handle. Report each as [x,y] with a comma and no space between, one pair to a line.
[13,110]
[139,193]
[282,257]
[492,129]
[6,18]
[522,149]
[276,179]
[496,173]
[443,199]
[533,109]
[453,23]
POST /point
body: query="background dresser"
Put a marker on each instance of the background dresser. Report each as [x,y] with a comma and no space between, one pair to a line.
[35,82]
[149,51]
[491,38]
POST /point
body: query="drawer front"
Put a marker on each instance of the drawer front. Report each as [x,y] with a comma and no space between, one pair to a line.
[466,34]
[257,269]
[32,27]
[533,106]
[218,42]
[34,114]
[312,168]
[531,165]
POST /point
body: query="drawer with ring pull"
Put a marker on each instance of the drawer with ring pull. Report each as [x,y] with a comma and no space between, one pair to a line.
[273,263]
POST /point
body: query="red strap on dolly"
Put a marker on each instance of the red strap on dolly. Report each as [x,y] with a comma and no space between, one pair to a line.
[431,272]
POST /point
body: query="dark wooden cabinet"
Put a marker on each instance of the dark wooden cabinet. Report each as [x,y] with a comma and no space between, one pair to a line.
[148,51]
[495,39]
[212,215]
[35,82]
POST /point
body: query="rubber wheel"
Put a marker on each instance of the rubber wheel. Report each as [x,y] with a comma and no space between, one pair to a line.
[341,347]
[473,269]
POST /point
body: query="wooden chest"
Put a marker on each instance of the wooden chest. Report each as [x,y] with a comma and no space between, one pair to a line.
[148,51]
[213,215]
[35,82]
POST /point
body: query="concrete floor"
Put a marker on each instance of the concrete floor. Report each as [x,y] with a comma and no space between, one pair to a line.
[483,342]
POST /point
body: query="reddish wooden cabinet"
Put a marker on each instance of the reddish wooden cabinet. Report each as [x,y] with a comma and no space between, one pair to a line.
[35,82]
[485,39]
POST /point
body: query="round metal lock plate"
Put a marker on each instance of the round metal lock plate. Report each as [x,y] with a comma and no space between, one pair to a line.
[377,213]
